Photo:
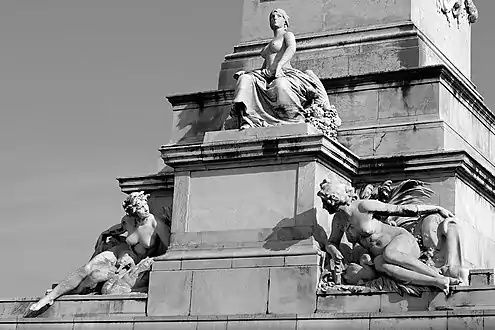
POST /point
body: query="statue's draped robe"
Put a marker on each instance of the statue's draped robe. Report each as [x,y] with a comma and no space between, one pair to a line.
[269,102]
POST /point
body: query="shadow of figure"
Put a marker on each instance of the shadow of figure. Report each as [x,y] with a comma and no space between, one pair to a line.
[290,231]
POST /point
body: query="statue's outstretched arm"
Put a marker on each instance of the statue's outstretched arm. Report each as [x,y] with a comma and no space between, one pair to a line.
[374,206]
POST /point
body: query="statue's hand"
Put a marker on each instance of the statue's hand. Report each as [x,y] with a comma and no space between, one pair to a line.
[238,74]
[279,72]
[334,252]
[124,261]
[445,213]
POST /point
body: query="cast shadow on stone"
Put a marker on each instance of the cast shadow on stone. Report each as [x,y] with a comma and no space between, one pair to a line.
[199,122]
[290,231]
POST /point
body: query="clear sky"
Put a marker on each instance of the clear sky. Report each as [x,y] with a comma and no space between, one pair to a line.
[82,86]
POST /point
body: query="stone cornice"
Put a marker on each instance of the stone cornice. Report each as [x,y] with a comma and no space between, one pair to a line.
[201,98]
[150,182]
[200,157]
[333,39]
[459,163]
[190,157]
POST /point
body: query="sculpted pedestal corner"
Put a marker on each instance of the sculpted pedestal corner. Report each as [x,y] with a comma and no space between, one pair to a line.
[247,225]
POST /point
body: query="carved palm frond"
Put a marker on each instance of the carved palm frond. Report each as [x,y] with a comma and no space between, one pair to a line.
[406,193]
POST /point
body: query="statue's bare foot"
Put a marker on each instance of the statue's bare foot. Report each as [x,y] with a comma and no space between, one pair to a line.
[40,304]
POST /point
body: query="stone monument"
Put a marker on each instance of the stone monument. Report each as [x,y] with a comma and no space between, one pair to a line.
[265,228]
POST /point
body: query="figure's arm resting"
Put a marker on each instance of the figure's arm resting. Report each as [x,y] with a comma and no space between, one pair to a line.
[374,206]
[290,49]
[335,238]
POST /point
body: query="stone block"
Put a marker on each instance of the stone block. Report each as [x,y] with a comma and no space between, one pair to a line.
[460,322]
[127,306]
[66,308]
[292,290]
[230,291]
[181,202]
[322,16]
[489,322]
[236,208]
[268,324]
[43,326]
[104,326]
[332,65]
[361,144]
[349,303]
[206,264]
[358,106]
[480,277]
[393,302]
[408,101]
[165,325]
[306,194]
[465,297]
[307,260]
[166,265]
[341,324]
[260,132]
[257,262]
[169,293]
[192,121]
[208,325]
[12,326]
[437,323]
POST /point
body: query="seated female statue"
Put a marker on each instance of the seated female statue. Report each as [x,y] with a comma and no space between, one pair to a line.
[147,236]
[277,93]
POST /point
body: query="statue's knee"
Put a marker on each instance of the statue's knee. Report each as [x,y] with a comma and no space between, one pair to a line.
[281,84]
[245,80]
[379,262]
[390,256]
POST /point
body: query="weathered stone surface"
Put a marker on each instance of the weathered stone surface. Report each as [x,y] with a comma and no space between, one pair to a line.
[165,325]
[356,106]
[181,202]
[212,325]
[387,140]
[231,207]
[42,326]
[292,289]
[480,277]
[207,264]
[258,262]
[321,16]
[230,291]
[349,303]
[254,325]
[408,101]
[344,324]
[393,302]
[170,293]
[260,132]
[474,322]
[103,326]
[476,298]
[409,323]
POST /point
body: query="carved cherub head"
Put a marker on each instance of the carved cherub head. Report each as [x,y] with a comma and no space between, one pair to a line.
[334,194]
[136,205]
[278,18]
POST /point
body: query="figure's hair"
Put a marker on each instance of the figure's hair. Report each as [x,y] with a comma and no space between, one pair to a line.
[329,189]
[134,201]
[284,15]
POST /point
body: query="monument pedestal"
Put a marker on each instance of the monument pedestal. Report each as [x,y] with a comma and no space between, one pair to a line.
[247,223]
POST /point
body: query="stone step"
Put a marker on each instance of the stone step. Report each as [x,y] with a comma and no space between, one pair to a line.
[78,306]
[481,319]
